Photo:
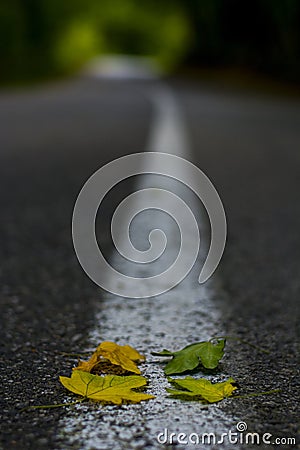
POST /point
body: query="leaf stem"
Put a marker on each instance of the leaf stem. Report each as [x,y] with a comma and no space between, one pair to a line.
[256,394]
[235,338]
[57,405]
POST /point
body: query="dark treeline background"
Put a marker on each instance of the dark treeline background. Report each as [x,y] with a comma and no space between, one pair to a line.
[45,38]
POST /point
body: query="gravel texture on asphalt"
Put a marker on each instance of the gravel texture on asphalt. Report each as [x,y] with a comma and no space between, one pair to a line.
[249,146]
[172,320]
[51,142]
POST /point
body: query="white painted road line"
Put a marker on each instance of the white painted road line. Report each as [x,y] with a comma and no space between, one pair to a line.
[183,315]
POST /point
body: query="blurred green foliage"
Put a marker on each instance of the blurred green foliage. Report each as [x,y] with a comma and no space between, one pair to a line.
[44,38]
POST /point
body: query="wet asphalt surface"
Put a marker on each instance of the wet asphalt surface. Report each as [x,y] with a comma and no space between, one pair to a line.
[52,139]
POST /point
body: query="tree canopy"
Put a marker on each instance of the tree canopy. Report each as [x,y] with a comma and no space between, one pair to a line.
[43,38]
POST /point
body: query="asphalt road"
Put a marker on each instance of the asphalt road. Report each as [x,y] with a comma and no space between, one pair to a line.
[52,139]
[250,149]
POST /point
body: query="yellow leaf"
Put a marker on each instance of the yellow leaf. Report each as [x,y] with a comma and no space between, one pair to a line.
[118,355]
[87,366]
[211,392]
[111,388]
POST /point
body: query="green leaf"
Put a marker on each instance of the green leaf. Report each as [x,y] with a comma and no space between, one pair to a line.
[111,388]
[207,353]
[193,388]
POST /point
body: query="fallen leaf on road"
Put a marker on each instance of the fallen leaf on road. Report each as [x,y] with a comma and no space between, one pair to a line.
[110,357]
[111,388]
[211,392]
[207,353]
